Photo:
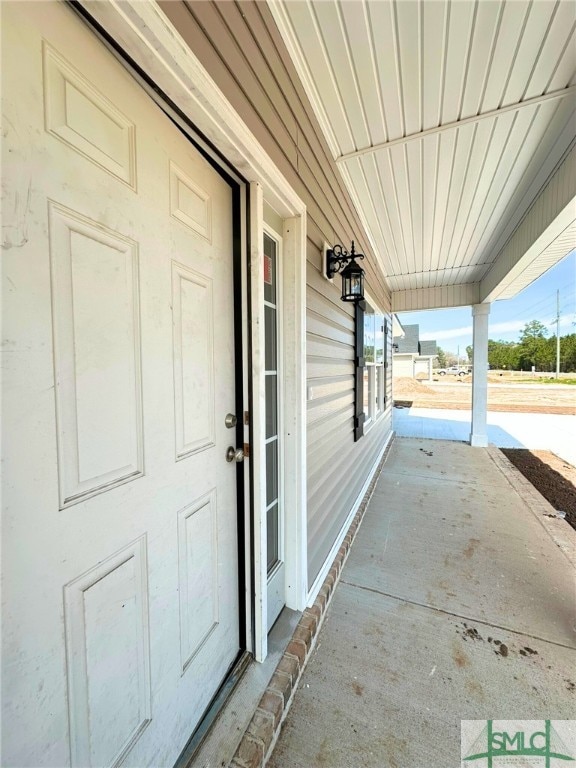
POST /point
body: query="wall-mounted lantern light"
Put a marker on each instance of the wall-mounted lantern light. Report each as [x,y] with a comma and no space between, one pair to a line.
[395,347]
[339,260]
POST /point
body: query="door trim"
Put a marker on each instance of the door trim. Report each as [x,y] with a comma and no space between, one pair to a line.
[277,578]
[143,33]
[293,411]
[143,36]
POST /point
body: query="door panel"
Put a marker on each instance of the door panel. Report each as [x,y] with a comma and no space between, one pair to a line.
[193,308]
[120,541]
[108,657]
[198,560]
[96,355]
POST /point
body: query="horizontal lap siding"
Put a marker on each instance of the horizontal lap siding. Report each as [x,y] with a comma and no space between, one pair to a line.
[330,498]
[239,45]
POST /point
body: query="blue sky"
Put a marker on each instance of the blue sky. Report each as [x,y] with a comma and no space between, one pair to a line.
[453,327]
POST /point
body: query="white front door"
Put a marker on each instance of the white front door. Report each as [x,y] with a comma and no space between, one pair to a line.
[120,541]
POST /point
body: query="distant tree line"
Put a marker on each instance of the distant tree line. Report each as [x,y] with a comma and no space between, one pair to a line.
[534,348]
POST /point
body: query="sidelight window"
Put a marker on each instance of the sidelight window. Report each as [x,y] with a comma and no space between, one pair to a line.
[271,326]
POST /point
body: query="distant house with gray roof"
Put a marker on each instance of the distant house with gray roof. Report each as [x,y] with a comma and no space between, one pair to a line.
[412,357]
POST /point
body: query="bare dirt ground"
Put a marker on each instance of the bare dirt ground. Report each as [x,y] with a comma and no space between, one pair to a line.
[553,477]
[514,399]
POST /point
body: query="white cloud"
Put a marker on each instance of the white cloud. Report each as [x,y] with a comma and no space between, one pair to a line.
[510,326]
[569,322]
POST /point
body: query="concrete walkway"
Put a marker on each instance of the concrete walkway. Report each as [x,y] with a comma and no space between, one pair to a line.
[539,431]
[455,603]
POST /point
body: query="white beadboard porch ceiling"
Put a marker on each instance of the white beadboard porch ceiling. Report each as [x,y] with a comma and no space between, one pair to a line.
[445,119]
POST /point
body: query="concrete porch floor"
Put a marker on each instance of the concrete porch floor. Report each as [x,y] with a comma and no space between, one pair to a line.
[539,431]
[456,602]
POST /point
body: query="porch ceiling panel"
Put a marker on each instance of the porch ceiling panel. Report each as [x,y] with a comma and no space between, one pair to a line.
[445,118]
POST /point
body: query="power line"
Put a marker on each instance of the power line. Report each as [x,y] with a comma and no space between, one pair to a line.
[552,296]
[550,299]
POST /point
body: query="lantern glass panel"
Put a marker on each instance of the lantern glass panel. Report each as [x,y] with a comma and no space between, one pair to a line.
[352,282]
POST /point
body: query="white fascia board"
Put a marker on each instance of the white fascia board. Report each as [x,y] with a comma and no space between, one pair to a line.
[397,327]
[551,214]
[440,297]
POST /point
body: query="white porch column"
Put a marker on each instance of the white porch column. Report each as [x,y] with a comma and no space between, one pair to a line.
[479,434]
[430,369]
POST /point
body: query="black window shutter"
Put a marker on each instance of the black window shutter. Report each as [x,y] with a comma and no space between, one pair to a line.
[359,371]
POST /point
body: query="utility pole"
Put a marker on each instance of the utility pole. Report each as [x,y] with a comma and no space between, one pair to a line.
[558,334]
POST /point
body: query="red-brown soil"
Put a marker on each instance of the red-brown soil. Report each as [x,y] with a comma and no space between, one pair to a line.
[553,477]
[458,396]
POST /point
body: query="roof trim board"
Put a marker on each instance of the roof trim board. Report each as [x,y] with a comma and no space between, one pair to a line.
[571,90]
[550,217]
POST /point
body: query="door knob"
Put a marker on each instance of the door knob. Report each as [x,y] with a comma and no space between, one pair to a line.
[234,454]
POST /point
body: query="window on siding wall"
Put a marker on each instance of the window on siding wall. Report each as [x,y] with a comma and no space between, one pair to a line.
[374,379]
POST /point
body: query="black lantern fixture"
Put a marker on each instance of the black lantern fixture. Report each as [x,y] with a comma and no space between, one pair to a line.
[339,260]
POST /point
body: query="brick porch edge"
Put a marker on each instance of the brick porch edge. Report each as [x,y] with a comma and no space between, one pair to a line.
[260,737]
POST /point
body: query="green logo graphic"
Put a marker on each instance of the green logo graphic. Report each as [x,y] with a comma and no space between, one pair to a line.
[545,744]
